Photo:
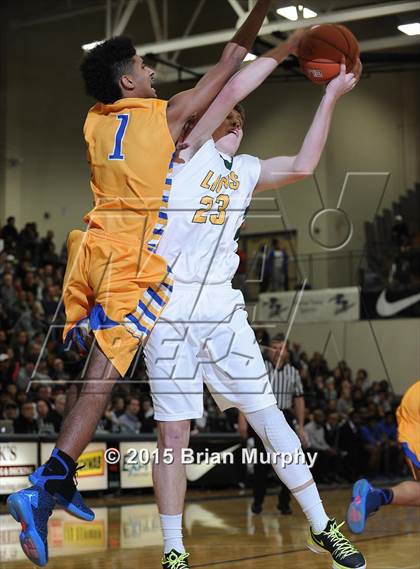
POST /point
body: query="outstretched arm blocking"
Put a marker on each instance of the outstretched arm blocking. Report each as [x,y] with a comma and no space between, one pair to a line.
[240,86]
[195,101]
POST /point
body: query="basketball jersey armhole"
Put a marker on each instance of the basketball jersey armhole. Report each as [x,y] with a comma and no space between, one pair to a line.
[163,106]
[253,165]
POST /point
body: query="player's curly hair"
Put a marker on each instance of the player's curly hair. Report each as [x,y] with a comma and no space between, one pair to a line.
[103,66]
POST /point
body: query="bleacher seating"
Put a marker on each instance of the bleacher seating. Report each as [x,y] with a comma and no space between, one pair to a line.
[380,247]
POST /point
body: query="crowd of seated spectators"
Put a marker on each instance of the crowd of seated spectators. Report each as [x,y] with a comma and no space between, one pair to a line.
[350,420]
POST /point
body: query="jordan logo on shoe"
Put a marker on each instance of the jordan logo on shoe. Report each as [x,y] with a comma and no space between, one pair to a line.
[33,498]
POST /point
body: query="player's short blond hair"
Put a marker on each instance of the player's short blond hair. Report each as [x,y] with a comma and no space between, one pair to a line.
[241,110]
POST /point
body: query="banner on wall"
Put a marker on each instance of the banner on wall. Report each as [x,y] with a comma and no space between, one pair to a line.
[324,305]
[17,461]
[94,474]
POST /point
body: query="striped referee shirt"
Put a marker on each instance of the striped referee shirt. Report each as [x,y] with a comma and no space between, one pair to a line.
[286,384]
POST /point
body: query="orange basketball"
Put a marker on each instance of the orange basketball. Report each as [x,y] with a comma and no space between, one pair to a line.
[321,51]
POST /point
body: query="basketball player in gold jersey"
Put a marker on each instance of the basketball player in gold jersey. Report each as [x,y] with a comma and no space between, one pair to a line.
[367,500]
[115,285]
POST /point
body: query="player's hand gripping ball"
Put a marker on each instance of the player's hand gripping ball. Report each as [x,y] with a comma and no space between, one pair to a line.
[344,82]
[322,49]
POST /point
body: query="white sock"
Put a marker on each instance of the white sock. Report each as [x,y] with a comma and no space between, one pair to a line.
[172,533]
[277,436]
[311,504]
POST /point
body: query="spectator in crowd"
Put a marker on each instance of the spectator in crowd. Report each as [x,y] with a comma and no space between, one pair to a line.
[21,397]
[50,302]
[7,290]
[318,391]
[373,391]
[21,347]
[351,447]
[41,372]
[118,405]
[109,421]
[33,321]
[11,391]
[6,370]
[361,381]
[6,322]
[372,443]
[295,355]
[330,392]
[42,391]
[146,416]
[324,467]
[318,365]
[21,305]
[400,233]
[357,399]
[29,241]
[26,423]
[129,421]
[58,371]
[3,341]
[403,266]
[332,429]
[49,420]
[10,411]
[9,234]
[47,249]
[30,284]
[345,401]
[277,267]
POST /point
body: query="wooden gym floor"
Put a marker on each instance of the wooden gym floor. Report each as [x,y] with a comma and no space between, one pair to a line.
[219,531]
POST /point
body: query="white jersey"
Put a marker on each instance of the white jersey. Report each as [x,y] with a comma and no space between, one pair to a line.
[207,205]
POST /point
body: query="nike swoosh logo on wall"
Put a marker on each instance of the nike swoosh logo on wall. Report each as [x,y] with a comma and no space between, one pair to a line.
[197,471]
[385,308]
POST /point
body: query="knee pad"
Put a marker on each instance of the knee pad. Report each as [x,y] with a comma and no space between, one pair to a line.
[273,429]
[281,437]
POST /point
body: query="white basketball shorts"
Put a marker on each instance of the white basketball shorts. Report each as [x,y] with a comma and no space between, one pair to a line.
[202,336]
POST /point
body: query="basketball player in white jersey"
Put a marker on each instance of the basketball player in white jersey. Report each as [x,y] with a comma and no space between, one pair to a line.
[204,335]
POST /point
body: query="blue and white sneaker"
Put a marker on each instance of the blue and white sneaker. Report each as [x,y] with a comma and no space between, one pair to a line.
[69,498]
[31,508]
[362,505]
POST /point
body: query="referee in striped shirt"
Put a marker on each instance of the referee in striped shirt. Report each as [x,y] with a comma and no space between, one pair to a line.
[288,390]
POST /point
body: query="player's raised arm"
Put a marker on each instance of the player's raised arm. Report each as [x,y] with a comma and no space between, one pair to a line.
[195,101]
[240,86]
[282,170]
